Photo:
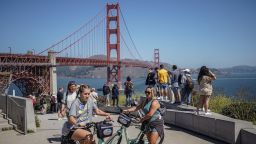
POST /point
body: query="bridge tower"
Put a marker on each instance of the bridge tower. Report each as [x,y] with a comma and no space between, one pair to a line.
[156,57]
[113,43]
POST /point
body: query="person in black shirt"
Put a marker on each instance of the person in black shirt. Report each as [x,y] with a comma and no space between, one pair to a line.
[61,105]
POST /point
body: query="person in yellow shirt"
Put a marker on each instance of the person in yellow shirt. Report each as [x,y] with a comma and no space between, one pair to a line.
[163,79]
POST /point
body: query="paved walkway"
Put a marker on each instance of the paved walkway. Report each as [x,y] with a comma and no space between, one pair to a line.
[50,132]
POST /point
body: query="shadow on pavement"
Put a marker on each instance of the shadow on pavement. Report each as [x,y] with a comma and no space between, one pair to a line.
[175,128]
[53,119]
[54,139]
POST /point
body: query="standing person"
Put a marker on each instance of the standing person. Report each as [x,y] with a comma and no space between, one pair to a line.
[205,78]
[128,85]
[152,117]
[163,78]
[43,104]
[70,95]
[53,102]
[80,114]
[115,95]
[106,93]
[150,80]
[157,82]
[61,105]
[188,86]
[175,83]
[94,95]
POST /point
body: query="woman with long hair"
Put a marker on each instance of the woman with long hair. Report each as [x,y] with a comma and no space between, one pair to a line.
[152,118]
[205,78]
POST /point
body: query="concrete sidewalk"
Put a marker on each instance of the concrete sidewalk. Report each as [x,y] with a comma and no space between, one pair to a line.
[50,132]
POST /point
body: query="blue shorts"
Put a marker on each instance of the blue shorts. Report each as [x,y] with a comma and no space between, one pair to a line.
[163,86]
[175,89]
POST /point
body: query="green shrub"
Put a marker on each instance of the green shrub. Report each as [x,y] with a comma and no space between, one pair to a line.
[122,98]
[30,131]
[241,110]
[217,103]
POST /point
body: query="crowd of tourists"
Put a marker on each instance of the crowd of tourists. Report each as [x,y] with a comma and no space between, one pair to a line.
[176,85]
[79,103]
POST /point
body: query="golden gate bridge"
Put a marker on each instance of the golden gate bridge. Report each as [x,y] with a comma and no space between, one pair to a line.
[96,43]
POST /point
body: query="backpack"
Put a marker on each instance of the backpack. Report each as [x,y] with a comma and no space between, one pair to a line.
[189,83]
[128,86]
[180,78]
[106,90]
[162,108]
[150,79]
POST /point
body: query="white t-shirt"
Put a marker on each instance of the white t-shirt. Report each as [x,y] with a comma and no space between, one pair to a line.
[70,99]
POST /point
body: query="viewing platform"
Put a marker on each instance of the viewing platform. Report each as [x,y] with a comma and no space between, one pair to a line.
[182,126]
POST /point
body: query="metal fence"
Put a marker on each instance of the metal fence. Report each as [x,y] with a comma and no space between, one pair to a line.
[15,109]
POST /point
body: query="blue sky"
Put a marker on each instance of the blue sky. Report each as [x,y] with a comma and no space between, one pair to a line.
[189,33]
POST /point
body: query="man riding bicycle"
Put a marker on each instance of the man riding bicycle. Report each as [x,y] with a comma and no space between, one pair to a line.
[152,118]
[81,113]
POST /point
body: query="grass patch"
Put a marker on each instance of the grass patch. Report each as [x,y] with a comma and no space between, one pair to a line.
[217,103]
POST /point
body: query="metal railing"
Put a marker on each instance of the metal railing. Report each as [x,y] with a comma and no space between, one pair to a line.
[14,111]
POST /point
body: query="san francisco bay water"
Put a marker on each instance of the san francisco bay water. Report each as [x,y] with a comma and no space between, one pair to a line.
[230,85]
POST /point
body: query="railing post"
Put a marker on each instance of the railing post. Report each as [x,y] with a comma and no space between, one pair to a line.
[25,114]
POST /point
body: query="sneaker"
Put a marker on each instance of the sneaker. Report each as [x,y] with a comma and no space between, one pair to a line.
[208,113]
[59,118]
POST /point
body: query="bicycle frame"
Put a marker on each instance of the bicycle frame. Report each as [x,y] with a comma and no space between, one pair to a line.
[122,130]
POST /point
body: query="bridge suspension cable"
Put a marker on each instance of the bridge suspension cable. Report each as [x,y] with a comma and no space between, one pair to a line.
[71,39]
[83,36]
[130,36]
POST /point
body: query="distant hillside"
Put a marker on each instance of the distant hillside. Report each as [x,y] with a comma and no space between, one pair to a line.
[135,72]
[240,69]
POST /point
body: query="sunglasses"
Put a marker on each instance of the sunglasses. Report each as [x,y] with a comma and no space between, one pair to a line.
[147,92]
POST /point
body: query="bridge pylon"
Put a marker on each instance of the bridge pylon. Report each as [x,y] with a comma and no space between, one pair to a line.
[156,57]
[113,43]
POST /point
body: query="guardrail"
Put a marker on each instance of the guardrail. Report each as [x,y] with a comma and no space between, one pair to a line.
[14,109]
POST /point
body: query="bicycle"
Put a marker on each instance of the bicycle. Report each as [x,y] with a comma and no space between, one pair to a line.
[125,120]
[103,130]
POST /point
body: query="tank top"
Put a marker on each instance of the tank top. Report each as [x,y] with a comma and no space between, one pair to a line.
[146,109]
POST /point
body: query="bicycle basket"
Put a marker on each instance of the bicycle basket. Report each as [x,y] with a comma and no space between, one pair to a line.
[124,120]
[104,129]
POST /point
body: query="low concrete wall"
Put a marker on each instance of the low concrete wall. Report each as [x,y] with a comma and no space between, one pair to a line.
[216,126]
[248,136]
[20,111]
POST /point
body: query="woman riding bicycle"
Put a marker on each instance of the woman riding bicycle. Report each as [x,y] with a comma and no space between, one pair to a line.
[152,118]
[81,113]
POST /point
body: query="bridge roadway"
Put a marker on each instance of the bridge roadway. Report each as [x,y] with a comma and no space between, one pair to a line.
[39,60]
[50,132]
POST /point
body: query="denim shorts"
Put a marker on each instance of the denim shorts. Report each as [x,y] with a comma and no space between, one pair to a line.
[163,86]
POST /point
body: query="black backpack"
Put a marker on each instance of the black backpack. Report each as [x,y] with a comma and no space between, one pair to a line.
[162,108]
[150,79]
[179,78]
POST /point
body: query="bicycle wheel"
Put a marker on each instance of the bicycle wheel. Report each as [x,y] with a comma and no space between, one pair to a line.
[115,139]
